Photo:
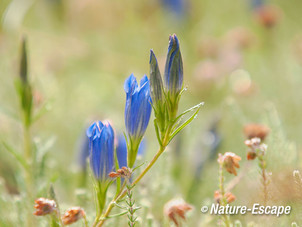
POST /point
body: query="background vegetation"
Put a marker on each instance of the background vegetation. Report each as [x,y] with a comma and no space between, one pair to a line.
[80,53]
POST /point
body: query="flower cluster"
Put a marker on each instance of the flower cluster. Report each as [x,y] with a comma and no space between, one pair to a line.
[230,162]
[72,215]
[45,206]
[176,209]
[256,134]
[228,196]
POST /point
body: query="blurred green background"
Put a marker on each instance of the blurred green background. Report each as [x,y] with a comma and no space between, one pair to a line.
[80,53]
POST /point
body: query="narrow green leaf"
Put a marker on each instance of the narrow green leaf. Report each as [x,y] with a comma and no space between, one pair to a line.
[188,110]
[157,132]
[117,215]
[188,121]
[16,155]
[43,110]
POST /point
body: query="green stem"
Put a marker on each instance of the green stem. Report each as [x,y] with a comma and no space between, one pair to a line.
[223,201]
[122,193]
[29,171]
[85,221]
[130,203]
[262,165]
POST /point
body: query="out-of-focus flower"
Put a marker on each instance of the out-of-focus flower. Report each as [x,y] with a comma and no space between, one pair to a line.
[175,6]
[208,70]
[256,130]
[255,148]
[229,161]
[208,47]
[297,48]
[72,215]
[230,59]
[241,82]
[176,209]
[83,153]
[173,70]
[267,15]
[257,3]
[254,142]
[239,37]
[44,206]
[228,196]
[137,113]
[101,148]
[251,155]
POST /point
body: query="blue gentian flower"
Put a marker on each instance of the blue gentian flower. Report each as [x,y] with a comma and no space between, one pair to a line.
[121,151]
[173,69]
[101,148]
[255,4]
[137,113]
[175,6]
[84,153]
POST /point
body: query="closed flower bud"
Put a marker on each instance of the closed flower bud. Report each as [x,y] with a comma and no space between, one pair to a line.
[44,206]
[173,71]
[251,155]
[101,149]
[24,87]
[137,113]
[230,162]
[156,84]
[72,215]
[23,63]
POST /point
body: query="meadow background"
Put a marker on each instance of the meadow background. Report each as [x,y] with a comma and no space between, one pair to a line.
[80,53]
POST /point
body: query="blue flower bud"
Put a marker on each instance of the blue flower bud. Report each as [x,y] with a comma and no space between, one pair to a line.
[101,148]
[156,84]
[137,113]
[173,69]
[157,93]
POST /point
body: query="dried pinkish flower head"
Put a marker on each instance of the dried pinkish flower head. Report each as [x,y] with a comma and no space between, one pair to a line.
[239,37]
[124,172]
[44,206]
[229,161]
[253,143]
[251,155]
[256,130]
[176,209]
[228,196]
[268,15]
[72,215]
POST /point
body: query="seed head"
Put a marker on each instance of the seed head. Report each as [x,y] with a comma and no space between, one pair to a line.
[44,206]
[229,161]
[72,215]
